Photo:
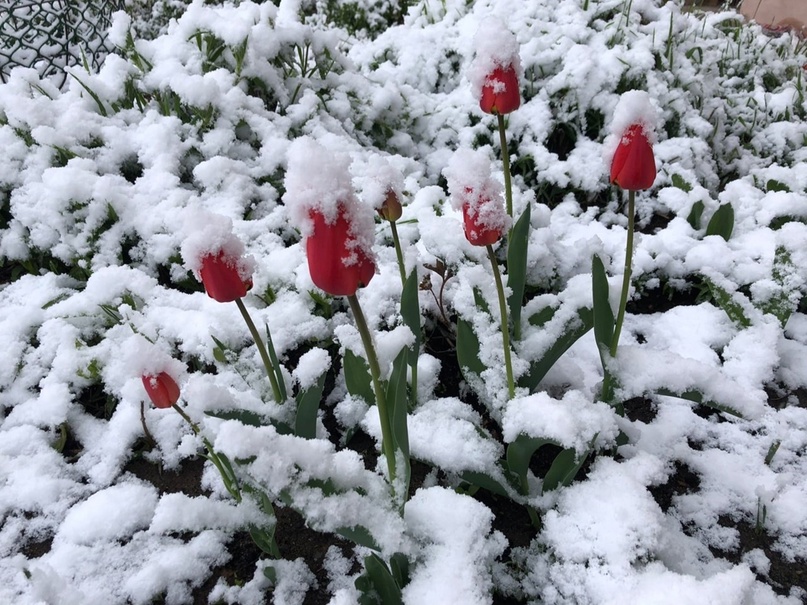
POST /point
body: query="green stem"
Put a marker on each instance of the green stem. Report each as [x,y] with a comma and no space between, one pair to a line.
[187,419]
[234,491]
[398,252]
[508,364]
[623,301]
[387,446]
[508,187]
[267,363]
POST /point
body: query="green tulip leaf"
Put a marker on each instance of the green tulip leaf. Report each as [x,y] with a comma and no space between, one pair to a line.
[694,218]
[722,222]
[398,408]
[308,400]
[357,377]
[726,302]
[697,397]
[678,181]
[485,481]
[410,306]
[563,470]
[783,302]
[399,566]
[519,454]
[468,349]
[480,302]
[603,314]
[270,347]
[220,351]
[242,416]
[542,317]
[382,581]
[360,535]
[774,185]
[517,269]
[572,332]
[410,313]
[264,538]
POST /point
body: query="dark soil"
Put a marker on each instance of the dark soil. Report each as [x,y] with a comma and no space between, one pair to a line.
[782,575]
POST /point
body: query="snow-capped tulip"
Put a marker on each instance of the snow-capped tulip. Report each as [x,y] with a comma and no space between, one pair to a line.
[477,231]
[338,229]
[478,196]
[634,166]
[222,277]
[162,389]
[336,263]
[391,208]
[496,69]
[500,94]
[216,256]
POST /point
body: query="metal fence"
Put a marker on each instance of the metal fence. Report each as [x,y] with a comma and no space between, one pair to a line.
[50,36]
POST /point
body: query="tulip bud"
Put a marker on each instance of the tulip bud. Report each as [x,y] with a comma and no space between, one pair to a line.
[477,232]
[338,229]
[222,278]
[478,196]
[391,208]
[496,69]
[634,165]
[336,264]
[500,93]
[630,144]
[161,389]
[216,256]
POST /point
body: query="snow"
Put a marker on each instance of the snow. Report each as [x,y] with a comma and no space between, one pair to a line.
[107,208]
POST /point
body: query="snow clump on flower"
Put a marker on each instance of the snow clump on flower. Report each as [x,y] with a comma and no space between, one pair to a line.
[211,234]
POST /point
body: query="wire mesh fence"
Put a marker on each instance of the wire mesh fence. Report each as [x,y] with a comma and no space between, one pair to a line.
[50,36]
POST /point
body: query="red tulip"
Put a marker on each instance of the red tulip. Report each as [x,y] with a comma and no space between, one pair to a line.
[500,92]
[336,261]
[222,278]
[634,166]
[162,390]
[477,232]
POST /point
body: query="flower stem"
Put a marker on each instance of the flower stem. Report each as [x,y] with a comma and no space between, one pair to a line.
[398,252]
[214,458]
[267,363]
[387,446]
[623,300]
[146,430]
[508,364]
[508,186]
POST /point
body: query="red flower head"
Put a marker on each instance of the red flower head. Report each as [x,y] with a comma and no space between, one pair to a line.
[338,230]
[478,196]
[161,389]
[500,93]
[216,257]
[634,166]
[337,263]
[477,231]
[496,69]
[222,277]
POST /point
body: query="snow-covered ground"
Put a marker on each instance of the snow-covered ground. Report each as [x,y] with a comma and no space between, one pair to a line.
[102,184]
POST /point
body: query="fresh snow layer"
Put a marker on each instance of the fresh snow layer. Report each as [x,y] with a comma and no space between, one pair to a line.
[107,210]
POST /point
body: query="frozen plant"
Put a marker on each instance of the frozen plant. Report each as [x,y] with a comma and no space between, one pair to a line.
[478,197]
[216,257]
[633,167]
[338,232]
